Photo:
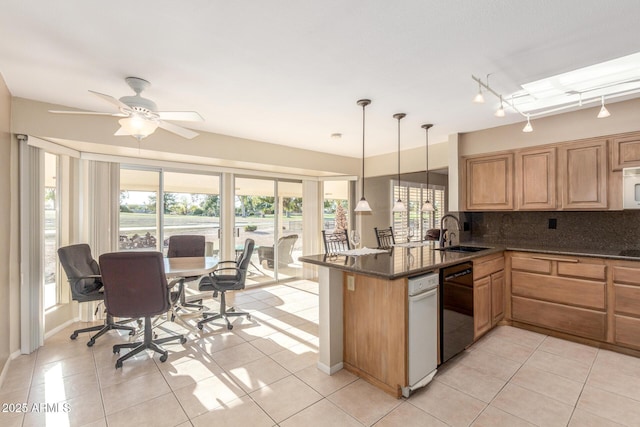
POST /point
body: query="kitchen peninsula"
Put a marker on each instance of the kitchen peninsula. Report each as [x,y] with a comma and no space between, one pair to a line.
[363,308]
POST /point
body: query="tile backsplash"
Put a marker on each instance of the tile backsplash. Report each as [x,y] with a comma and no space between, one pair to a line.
[588,230]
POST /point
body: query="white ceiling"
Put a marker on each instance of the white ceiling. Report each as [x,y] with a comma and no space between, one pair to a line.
[290,72]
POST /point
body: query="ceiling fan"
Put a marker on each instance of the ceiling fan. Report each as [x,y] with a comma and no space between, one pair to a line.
[140,116]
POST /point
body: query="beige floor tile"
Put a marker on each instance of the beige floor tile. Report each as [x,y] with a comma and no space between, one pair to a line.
[190,372]
[624,364]
[321,414]
[11,419]
[219,341]
[237,356]
[323,383]
[606,378]
[559,365]
[285,397]
[519,336]
[570,350]
[610,406]
[58,389]
[472,382]
[102,422]
[504,347]
[259,373]
[489,363]
[582,418]
[239,412]
[364,402]
[297,357]
[275,342]
[14,396]
[108,375]
[161,411]
[208,394]
[63,368]
[250,332]
[17,378]
[551,385]
[80,410]
[407,415]
[494,417]
[63,350]
[447,404]
[130,393]
[533,407]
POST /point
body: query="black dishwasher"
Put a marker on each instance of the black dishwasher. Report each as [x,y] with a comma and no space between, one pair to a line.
[456,314]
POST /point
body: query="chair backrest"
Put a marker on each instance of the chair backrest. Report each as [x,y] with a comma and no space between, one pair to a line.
[186,245]
[134,284]
[385,237]
[244,259]
[77,262]
[336,241]
[285,247]
[432,234]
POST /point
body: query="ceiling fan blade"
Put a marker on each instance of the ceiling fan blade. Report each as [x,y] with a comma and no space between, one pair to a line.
[181,116]
[110,99]
[178,130]
[93,113]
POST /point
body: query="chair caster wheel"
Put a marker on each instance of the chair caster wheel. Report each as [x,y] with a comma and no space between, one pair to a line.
[73,336]
[232,309]
[116,351]
[132,333]
[164,357]
[118,364]
[173,317]
[139,322]
[200,327]
[91,343]
[183,341]
[248,317]
[204,316]
[229,327]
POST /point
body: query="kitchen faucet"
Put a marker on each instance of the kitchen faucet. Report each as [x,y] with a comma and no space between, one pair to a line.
[442,229]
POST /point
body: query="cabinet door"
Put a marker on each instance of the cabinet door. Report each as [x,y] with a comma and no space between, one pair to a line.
[584,172]
[625,152]
[489,182]
[497,297]
[536,179]
[481,306]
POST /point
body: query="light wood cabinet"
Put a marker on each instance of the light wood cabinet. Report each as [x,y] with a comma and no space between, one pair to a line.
[583,170]
[535,179]
[626,305]
[375,330]
[625,151]
[567,294]
[488,181]
[488,293]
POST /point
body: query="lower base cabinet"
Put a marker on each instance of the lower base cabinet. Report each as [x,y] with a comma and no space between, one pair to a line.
[488,293]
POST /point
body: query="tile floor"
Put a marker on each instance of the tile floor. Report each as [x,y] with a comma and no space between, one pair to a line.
[263,373]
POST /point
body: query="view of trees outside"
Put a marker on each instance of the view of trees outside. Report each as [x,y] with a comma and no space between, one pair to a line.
[50,231]
[336,214]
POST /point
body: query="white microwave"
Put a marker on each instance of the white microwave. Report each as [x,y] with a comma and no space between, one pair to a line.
[631,188]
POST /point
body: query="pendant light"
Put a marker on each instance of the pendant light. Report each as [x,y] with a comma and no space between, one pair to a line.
[399,205]
[427,206]
[363,205]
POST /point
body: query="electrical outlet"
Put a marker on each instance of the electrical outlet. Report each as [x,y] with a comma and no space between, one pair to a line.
[351,283]
[553,223]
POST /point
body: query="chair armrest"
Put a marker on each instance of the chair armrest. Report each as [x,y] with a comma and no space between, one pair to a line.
[227,262]
[90,276]
[216,272]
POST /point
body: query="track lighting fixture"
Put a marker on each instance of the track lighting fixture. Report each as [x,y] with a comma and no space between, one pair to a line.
[479,98]
[528,128]
[603,111]
[500,111]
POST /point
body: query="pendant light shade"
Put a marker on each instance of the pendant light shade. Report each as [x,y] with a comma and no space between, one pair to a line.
[399,205]
[427,206]
[363,205]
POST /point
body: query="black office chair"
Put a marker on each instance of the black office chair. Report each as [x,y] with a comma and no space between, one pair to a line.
[135,286]
[230,276]
[83,274]
[335,241]
[385,237]
[187,245]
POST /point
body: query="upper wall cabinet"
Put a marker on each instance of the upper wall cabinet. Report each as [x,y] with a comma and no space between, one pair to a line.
[625,151]
[488,182]
[583,170]
[536,179]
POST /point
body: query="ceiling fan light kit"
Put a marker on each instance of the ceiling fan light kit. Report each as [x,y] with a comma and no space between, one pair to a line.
[140,116]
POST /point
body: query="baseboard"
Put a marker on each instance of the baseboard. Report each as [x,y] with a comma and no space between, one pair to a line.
[58,328]
[330,370]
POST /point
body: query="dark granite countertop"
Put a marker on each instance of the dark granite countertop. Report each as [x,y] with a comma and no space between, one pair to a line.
[405,262]
[399,261]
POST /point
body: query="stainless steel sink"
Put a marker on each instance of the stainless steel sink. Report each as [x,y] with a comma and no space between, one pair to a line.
[462,249]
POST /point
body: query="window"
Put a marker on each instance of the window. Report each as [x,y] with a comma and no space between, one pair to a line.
[413,224]
[335,213]
[51,230]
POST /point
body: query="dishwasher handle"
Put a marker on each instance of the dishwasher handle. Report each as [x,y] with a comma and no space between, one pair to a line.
[423,295]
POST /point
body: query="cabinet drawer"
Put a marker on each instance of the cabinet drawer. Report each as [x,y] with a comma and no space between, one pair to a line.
[564,290]
[483,269]
[531,264]
[627,299]
[580,269]
[628,275]
[577,321]
[627,331]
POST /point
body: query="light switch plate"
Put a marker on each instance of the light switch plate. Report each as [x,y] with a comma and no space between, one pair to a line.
[351,283]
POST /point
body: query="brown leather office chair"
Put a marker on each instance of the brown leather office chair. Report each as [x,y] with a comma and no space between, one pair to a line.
[230,276]
[385,237]
[135,286]
[187,245]
[83,274]
[335,241]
